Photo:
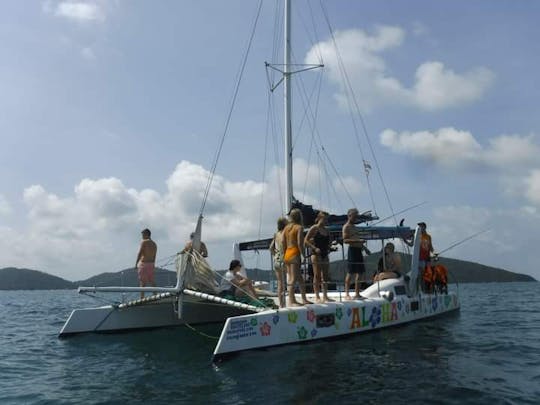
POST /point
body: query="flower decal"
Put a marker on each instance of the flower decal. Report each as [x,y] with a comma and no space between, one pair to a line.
[313,333]
[339,313]
[293,317]
[302,333]
[399,305]
[375,317]
[447,301]
[434,303]
[275,319]
[265,329]
[310,315]
[349,311]
[253,322]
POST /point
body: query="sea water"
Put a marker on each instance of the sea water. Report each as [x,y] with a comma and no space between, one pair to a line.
[489,352]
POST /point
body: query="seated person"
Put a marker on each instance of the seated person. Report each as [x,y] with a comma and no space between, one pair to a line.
[392,264]
[233,283]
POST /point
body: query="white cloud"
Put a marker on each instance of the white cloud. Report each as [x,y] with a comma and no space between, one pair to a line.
[510,235]
[88,53]
[446,146]
[436,86]
[532,183]
[96,228]
[495,237]
[81,11]
[419,29]
[5,207]
[450,147]
[510,150]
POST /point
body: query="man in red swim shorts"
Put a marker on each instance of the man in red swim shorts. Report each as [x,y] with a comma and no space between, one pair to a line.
[146,259]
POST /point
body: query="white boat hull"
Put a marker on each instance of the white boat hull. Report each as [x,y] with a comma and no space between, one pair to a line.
[153,314]
[320,321]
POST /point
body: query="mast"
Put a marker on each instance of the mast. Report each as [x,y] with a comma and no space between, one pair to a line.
[287,115]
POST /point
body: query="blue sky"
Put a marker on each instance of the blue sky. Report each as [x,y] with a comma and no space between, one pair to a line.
[112,112]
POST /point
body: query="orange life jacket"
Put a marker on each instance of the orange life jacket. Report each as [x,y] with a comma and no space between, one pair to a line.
[427,275]
[440,273]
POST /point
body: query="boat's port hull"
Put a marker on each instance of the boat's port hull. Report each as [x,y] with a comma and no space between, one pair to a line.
[160,313]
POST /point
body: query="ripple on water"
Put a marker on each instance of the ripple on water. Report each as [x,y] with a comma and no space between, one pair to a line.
[489,353]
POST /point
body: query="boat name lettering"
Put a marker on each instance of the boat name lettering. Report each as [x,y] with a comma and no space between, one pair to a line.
[358,321]
[240,329]
[389,312]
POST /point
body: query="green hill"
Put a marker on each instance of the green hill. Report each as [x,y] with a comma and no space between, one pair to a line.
[461,271]
[12,278]
[128,278]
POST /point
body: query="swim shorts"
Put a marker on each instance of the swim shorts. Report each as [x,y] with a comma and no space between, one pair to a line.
[146,272]
[355,261]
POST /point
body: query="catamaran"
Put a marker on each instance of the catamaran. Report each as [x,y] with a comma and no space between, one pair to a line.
[194,299]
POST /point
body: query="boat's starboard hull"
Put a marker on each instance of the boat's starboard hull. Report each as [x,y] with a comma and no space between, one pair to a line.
[321,321]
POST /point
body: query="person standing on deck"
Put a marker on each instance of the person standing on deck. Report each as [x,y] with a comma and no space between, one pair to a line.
[355,260]
[202,248]
[293,246]
[276,249]
[146,258]
[426,248]
[318,239]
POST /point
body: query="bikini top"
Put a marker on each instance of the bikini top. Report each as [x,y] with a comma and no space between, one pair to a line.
[322,243]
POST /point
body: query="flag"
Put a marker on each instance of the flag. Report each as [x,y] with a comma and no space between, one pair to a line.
[367,166]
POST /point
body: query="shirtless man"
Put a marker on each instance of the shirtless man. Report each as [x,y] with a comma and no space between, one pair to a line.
[146,258]
[354,256]
[202,249]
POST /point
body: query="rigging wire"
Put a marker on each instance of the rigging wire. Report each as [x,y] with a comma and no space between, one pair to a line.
[307,108]
[233,102]
[264,173]
[351,93]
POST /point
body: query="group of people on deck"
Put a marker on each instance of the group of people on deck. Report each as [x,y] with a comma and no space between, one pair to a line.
[288,248]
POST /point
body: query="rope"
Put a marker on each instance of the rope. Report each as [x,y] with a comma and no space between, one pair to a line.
[111,302]
[202,277]
[201,333]
[233,102]
[205,276]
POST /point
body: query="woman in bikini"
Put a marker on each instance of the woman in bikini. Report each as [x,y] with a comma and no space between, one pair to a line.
[318,239]
[276,249]
[293,246]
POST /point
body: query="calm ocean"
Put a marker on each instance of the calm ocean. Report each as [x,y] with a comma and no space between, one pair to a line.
[488,353]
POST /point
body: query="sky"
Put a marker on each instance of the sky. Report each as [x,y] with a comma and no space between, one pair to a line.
[112,112]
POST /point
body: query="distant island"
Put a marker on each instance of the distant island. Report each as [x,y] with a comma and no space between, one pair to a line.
[12,278]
